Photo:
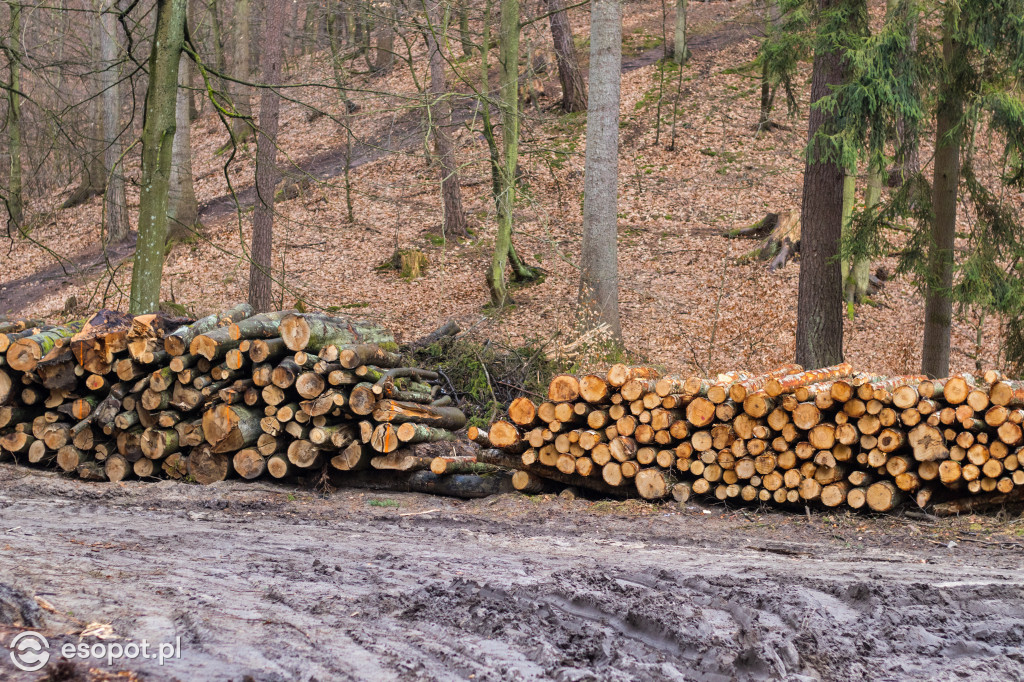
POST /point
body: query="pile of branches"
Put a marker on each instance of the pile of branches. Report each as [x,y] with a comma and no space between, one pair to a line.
[276,395]
[826,437]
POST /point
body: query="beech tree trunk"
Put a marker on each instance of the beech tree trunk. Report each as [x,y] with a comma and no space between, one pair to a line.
[182,207]
[574,91]
[157,142]
[819,331]
[440,111]
[680,53]
[266,164]
[938,309]
[115,210]
[599,273]
[15,197]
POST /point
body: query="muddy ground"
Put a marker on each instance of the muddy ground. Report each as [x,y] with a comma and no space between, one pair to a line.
[281,583]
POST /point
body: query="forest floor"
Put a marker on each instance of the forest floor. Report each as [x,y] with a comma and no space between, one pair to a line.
[278,583]
[689,302]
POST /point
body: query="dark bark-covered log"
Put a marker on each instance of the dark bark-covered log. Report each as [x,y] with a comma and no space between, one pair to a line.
[264,350]
[464,486]
[449,328]
[977,503]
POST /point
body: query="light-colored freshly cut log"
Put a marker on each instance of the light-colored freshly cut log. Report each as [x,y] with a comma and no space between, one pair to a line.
[177,342]
[304,454]
[313,332]
[619,374]
[522,412]
[25,353]
[593,389]
[401,460]
[563,388]
[249,463]
[778,386]
[883,496]
[397,412]
[653,484]
[700,412]
[231,427]
[352,457]
[928,443]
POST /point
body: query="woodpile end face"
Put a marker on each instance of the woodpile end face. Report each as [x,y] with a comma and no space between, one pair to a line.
[827,437]
[280,394]
[233,394]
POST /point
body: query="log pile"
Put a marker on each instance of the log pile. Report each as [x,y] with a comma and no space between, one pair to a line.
[233,394]
[831,437]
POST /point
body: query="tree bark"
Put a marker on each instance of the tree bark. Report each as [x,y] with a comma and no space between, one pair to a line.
[15,197]
[574,91]
[599,274]
[938,309]
[115,211]
[680,53]
[242,126]
[440,111]
[465,37]
[266,164]
[157,142]
[182,207]
[504,167]
[819,334]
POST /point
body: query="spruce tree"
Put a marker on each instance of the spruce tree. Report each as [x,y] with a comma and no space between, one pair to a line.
[970,63]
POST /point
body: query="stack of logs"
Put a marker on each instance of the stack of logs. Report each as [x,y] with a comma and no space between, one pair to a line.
[273,394]
[831,436]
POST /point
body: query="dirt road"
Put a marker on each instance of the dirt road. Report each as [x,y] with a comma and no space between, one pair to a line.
[278,583]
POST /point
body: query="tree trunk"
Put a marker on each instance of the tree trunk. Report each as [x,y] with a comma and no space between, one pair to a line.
[182,207]
[680,53]
[938,310]
[599,273]
[574,91]
[465,37]
[266,164]
[157,142]
[440,112]
[242,126]
[819,333]
[115,212]
[15,198]
[339,82]
[504,167]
